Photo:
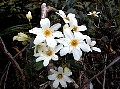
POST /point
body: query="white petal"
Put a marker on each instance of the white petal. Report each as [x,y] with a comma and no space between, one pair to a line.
[45,23]
[60,69]
[97,12]
[55,57]
[65,20]
[79,36]
[85,47]
[57,48]
[68,33]
[55,83]
[61,13]
[82,28]
[53,71]
[51,42]
[52,77]
[91,86]
[93,43]
[39,59]
[58,34]
[77,54]
[36,31]
[64,51]
[39,39]
[46,62]
[67,79]
[62,41]
[96,49]
[63,83]
[70,15]
[55,27]
[88,40]
[67,73]
[73,22]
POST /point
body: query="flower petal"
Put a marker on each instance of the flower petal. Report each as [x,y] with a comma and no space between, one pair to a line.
[88,40]
[53,71]
[57,34]
[73,22]
[55,27]
[45,23]
[55,57]
[60,69]
[93,43]
[51,42]
[70,15]
[58,47]
[79,36]
[55,83]
[68,33]
[67,79]
[36,31]
[85,47]
[63,83]
[39,39]
[52,77]
[96,49]
[46,61]
[61,13]
[82,28]
[39,59]
[64,51]
[77,54]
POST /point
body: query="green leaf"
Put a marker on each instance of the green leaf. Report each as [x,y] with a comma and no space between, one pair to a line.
[38,65]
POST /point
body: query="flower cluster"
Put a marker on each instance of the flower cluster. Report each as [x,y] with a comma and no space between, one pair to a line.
[50,41]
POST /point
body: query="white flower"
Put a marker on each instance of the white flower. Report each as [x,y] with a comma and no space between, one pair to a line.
[66,18]
[74,25]
[60,77]
[29,16]
[48,54]
[47,33]
[91,44]
[73,43]
[21,37]
[94,13]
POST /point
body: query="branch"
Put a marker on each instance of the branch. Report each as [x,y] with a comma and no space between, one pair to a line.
[13,61]
[113,62]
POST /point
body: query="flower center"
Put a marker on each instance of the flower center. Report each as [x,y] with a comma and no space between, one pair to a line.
[93,14]
[47,32]
[74,42]
[67,18]
[60,76]
[75,29]
[49,52]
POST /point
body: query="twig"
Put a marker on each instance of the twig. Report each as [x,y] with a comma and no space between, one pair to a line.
[104,72]
[113,62]
[5,73]
[13,61]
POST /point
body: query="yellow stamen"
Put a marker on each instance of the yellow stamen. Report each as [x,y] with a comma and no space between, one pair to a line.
[75,29]
[49,52]
[47,32]
[60,76]
[74,42]
[67,18]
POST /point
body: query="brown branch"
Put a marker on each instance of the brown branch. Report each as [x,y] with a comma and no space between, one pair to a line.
[113,62]
[13,61]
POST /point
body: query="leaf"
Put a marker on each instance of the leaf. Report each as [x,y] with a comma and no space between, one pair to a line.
[28,70]
[38,65]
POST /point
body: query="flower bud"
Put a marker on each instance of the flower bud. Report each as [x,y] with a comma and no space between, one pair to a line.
[29,16]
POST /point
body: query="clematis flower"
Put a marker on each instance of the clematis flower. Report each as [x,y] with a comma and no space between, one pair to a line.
[94,13]
[73,43]
[48,54]
[66,18]
[91,44]
[47,33]
[60,76]
[29,16]
[74,25]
